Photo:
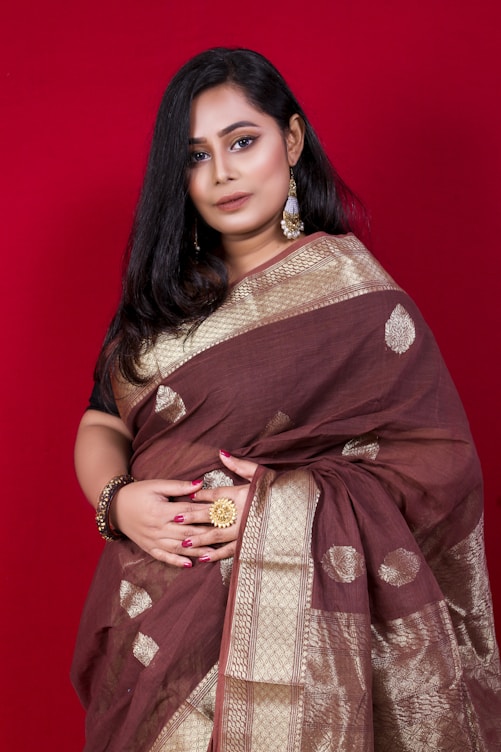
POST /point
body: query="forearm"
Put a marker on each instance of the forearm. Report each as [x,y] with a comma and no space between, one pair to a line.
[102,451]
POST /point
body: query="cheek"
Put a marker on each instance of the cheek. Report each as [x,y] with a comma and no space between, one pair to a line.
[195,188]
[272,163]
[278,184]
[271,172]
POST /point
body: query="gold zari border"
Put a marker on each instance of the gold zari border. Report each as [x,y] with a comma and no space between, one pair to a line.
[190,728]
[326,270]
[265,677]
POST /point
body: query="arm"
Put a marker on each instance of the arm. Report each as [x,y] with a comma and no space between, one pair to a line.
[102,450]
[142,511]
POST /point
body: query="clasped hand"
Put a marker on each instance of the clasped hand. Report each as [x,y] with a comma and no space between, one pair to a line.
[179,532]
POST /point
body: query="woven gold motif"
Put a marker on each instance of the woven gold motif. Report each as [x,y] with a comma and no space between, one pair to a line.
[226,567]
[343,563]
[471,609]
[144,648]
[399,330]
[279,423]
[338,703]
[217,479]
[399,567]
[135,600]
[169,404]
[366,446]
[421,701]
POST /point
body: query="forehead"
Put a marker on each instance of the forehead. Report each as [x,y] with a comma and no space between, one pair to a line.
[217,108]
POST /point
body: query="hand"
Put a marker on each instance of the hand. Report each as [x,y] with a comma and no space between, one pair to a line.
[226,538]
[143,512]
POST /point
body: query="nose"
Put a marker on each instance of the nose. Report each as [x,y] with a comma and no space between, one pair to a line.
[221,167]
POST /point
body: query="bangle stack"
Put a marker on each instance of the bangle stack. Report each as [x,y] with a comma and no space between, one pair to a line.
[106,496]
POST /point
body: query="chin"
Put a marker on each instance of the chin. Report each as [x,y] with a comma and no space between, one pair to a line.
[247,226]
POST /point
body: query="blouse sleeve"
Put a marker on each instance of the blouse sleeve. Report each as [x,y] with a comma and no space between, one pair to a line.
[98,402]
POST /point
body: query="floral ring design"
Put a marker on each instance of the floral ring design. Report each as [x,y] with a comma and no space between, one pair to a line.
[223,512]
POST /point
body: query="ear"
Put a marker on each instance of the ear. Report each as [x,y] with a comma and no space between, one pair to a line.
[294,139]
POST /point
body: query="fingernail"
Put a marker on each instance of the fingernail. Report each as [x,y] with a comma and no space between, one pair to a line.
[186,543]
[224,453]
[179,518]
[187,564]
[204,558]
[196,482]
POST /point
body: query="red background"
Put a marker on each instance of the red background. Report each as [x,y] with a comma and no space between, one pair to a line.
[405,97]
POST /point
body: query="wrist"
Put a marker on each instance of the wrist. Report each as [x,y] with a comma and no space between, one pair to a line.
[113,517]
[104,521]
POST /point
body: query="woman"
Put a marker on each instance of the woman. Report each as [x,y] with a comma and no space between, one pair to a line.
[321,584]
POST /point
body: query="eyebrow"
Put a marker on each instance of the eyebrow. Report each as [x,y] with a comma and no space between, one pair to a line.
[225,131]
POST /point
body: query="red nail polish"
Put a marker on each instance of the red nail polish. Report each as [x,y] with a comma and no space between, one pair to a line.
[204,558]
[196,482]
[187,564]
[192,496]
[224,453]
[186,543]
[179,518]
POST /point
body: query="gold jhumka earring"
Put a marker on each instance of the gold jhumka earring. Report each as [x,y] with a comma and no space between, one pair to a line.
[291,223]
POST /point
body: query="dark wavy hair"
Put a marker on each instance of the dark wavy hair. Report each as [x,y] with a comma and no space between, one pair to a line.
[165,288]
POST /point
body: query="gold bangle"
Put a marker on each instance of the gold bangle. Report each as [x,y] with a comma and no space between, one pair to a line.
[106,496]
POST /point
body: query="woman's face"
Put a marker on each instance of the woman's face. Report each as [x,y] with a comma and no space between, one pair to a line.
[239,165]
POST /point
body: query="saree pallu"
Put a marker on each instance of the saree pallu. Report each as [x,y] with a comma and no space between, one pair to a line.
[356,614]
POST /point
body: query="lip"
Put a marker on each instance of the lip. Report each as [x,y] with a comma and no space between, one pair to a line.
[232,202]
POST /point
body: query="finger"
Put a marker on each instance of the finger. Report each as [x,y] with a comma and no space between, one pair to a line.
[190,547]
[175,534]
[187,547]
[191,516]
[212,494]
[213,537]
[172,559]
[217,554]
[174,487]
[243,468]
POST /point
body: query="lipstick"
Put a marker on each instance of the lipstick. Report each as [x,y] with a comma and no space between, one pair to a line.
[232,202]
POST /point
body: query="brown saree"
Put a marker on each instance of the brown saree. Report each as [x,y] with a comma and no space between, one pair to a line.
[356,615]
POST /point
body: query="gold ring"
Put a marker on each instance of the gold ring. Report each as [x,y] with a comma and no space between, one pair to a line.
[223,512]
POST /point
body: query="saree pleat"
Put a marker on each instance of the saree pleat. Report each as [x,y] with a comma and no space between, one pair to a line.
[356,615]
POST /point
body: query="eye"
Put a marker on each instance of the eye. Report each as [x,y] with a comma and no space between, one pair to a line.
[243,142]
[198,156]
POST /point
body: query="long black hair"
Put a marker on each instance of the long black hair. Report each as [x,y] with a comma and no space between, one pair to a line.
[165,287]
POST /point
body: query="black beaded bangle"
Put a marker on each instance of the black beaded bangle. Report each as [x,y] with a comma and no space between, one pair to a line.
[104,504]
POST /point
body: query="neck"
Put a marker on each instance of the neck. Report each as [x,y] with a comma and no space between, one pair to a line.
[243,253]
